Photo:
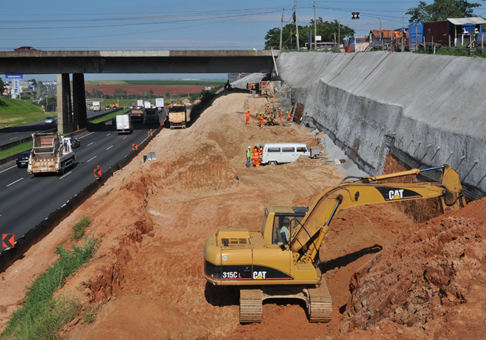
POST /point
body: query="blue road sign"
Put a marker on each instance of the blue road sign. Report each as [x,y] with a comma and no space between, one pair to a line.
[14,76]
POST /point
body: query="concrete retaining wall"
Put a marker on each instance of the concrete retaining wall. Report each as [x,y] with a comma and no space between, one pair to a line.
[428,109]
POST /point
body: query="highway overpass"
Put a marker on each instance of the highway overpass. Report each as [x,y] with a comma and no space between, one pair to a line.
[77,63]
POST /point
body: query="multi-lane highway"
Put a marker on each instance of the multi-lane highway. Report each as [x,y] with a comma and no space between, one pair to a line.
[15,133]
[26,200]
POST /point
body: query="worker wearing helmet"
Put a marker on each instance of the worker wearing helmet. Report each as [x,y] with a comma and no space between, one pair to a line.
[288,117]
[256,158]
[247,117]
[248,157]
[280,115]
[283,233]
[261,121]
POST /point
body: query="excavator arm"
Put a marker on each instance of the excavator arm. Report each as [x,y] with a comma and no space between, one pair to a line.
[307,238]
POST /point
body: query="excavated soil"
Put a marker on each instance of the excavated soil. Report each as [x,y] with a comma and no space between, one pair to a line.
[390,277]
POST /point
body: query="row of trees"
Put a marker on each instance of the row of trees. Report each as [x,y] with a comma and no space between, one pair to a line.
[327,30]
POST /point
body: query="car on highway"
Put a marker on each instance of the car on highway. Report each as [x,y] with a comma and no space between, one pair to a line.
[107,107]
[75,143]
[23,159]
[25,49]
[50,120]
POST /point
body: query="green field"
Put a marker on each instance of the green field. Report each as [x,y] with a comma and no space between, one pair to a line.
[15,112]
[176,82]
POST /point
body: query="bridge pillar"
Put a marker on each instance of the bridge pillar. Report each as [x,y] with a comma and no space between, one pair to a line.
[64,107]
[79,102]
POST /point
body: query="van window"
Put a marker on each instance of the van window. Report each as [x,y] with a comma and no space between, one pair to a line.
[301,149]
[287,149]
[273,150]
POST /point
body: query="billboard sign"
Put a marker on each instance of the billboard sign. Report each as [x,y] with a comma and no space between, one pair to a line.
[14,76]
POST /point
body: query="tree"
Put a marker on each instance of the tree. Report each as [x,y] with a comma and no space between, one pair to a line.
[2,86]
[441,10]
[324,28]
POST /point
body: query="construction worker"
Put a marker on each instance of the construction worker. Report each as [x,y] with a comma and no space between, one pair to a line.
[288,117]
[260,151]
[247,117]
[280,115]
[267,109]
[256,158]
[248,157]
[261,121]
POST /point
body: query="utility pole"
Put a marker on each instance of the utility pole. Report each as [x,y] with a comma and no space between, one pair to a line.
[296,24]
[339,34]
[315,28]
[281,23]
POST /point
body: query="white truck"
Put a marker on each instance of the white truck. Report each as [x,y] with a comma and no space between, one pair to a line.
[96,106]
[159,103]
[123,124]
[51,152]
[139,103]
[147,104]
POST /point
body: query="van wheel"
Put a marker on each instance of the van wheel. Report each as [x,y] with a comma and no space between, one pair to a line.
[272,163]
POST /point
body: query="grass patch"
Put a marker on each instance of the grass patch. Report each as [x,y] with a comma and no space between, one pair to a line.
[15,112]
[89,315]
[108,192]
[78,228]
[108,116]
[16,149]
[41,316]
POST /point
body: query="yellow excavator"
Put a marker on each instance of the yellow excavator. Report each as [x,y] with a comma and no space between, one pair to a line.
[281,260]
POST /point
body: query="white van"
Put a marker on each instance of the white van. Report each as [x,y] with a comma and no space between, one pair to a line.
[275,153]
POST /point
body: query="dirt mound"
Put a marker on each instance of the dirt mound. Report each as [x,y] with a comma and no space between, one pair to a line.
[429,284]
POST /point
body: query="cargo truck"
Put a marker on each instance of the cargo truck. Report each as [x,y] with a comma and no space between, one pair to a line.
[51,152]
[177,116]
[159,103]
[96,106]
[123,124]
[139,103]
[147,104]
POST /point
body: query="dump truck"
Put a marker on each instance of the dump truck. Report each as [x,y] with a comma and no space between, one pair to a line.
[51,152]
[282,260]
[137,114]
[177,116]
[151,116]
[123,124]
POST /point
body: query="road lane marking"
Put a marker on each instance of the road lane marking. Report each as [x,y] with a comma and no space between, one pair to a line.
[8,168]
[90,144]
[15,182]
[124,137]
[65,175]
[144,140]
[89,160]
[109,147]
[86,135]
[108,134]
[13,138]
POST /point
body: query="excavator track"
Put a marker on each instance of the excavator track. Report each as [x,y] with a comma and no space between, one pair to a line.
[320,304]
[251,306]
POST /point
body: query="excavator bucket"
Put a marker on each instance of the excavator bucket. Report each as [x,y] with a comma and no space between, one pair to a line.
[454,197]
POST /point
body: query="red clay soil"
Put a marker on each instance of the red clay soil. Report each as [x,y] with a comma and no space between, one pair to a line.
[159,90]
[408,280]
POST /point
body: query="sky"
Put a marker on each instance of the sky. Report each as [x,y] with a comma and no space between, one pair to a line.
[179,25]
